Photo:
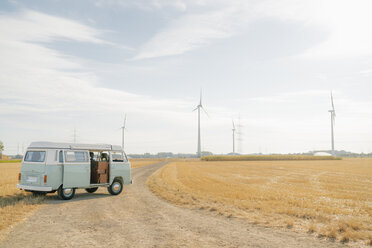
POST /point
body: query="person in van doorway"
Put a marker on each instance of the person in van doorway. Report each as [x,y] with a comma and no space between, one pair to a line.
[91,154]
[104,157]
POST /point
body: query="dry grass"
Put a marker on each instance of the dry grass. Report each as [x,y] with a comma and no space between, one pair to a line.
[15,205]
[266,157]
[331,199]
[139,162]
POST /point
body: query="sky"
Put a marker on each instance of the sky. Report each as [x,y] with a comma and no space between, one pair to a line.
[269,65]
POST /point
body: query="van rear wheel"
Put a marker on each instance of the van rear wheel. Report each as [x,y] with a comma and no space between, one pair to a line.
[65,194]
[91,190]
[116,187]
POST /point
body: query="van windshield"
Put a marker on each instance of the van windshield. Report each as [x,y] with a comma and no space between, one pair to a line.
[117,157]
[35,156]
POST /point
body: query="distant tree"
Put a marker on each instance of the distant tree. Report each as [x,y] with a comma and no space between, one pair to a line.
[1,149]
[165,155]
[18,156]
[206,153]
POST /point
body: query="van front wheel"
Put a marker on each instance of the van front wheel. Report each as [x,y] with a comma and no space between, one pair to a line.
[116,187]
[65,194]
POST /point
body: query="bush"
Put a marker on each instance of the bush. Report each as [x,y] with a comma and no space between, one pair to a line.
[266,157]
[11,161]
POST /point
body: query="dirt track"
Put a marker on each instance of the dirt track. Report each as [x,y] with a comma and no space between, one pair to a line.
[137,218]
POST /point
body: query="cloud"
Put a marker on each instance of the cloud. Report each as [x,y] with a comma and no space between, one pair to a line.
[365,72]
[350,35]
[151,5]
[289,97]
[346,23]
[188,33]
[30,25]
[43,90]
[34,75]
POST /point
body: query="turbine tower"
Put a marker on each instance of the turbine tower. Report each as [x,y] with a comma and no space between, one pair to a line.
[75,135]
[122,133]
[198,107]
[333,116]
[233,135]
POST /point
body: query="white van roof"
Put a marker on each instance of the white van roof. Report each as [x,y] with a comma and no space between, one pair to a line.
[92,147]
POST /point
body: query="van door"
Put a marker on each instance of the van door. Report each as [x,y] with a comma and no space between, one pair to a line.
[76,169]
[117,166]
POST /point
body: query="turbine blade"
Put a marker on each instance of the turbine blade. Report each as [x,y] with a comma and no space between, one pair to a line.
[333,106]
[204,111]
[233,124]
[125,120]
[195,108]
[200,103]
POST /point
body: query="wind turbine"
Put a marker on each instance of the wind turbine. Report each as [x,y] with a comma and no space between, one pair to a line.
[333,116]
[123,128]
[74,135]
[198,107]
[233,135]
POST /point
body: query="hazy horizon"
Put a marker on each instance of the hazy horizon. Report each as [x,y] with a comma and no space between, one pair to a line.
[82,65]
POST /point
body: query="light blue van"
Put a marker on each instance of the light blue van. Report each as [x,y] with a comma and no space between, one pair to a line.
[48,167]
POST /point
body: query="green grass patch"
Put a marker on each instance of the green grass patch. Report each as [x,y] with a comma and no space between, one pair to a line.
[266,157]
[11,161]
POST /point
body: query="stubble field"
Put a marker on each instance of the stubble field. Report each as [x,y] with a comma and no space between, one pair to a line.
[329,199]
[15,204]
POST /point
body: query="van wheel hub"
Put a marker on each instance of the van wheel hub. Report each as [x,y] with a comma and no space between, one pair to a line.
[67,192]
[116,187]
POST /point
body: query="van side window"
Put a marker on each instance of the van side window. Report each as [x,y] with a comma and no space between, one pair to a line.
[76,156]
[60,157]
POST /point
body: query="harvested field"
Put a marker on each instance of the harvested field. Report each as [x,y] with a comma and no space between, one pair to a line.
[330,199]
[15,204]
[143,162]
[266,157]
[140,219]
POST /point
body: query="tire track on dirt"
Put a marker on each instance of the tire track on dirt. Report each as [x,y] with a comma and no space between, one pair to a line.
[138,218]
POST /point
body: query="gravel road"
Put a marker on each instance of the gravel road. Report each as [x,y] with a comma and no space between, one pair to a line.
[138,218]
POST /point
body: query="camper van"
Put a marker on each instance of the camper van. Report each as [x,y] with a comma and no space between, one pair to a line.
[49,167]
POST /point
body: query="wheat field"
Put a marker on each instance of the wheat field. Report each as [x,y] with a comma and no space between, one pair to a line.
[143,162]
[330,199]
[16,204]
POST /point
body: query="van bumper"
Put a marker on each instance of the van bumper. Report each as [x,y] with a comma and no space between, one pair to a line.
[34,188]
